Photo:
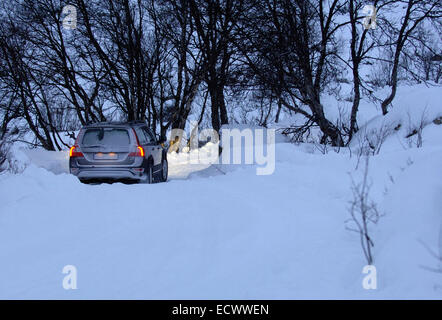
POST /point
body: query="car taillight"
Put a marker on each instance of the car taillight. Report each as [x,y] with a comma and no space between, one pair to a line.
[73,152]
[138,153]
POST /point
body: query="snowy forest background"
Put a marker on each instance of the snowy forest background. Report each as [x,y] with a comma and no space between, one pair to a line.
[215,62]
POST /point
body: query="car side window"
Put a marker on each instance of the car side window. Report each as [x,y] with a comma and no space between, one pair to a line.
[142,139]
[150,137]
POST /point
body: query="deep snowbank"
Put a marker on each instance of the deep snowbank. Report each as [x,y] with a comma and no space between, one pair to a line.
[232,235]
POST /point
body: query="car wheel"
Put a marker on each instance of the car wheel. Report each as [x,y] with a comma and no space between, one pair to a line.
[150,179]
[164,170]
[149,173]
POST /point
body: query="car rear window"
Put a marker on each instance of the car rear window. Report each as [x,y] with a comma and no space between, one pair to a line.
[106,137]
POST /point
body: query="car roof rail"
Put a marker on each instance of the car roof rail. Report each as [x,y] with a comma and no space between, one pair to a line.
[132,122]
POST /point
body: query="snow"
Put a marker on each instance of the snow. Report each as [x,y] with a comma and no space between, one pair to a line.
[415,106]
[222,232]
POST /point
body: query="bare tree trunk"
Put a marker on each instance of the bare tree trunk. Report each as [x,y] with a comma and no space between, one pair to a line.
[214,106]
[408,25]
[279,110]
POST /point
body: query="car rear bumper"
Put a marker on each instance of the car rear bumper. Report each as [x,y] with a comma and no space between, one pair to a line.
[109,173]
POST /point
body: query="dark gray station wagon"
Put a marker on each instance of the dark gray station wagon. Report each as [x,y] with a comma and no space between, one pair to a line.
[118,151]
